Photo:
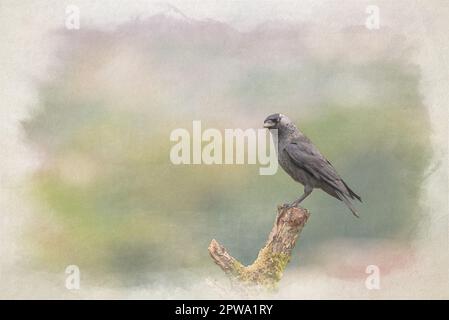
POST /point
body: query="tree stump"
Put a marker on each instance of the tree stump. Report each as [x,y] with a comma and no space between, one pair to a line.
[266,271]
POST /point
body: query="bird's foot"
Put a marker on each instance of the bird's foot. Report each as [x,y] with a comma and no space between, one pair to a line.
[294,204]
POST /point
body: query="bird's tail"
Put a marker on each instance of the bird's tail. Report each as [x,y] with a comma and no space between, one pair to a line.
[348,203]
[352,194]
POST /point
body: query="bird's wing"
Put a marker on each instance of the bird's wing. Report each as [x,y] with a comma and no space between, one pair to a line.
[307,157]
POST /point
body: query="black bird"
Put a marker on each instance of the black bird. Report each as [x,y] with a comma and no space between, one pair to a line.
[305,164]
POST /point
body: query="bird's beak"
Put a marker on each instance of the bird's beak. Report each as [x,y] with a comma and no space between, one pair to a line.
[268,124]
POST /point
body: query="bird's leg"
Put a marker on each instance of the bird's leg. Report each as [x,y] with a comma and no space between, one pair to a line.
[307,192]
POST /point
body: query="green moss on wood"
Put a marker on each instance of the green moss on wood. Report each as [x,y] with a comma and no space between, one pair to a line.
[266,271]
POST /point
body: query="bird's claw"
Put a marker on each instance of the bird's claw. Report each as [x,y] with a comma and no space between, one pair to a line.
[294,205]
[290,205]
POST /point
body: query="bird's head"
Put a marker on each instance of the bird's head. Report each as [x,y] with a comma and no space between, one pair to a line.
[276,121]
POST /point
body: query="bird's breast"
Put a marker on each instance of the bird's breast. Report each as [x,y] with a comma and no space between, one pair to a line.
[297,173]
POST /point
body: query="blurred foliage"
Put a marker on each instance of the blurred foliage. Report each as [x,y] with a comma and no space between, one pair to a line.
[112,202]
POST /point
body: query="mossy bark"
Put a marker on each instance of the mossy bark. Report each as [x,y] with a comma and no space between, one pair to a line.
[268,268]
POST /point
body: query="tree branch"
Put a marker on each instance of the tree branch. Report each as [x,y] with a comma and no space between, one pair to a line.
[267,269]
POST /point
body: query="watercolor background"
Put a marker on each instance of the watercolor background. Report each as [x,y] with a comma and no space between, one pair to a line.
[86,116]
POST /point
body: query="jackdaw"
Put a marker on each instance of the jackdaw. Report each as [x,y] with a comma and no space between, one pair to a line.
[305,164]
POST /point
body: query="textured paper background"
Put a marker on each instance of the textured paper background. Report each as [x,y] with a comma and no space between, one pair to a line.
[27,49]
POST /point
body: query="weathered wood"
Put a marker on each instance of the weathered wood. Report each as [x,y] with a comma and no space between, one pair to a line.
[267,269]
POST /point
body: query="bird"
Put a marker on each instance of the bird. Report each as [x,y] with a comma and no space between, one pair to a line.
[305,164]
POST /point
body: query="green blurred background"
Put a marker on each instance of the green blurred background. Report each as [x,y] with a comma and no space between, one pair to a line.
[110,201]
